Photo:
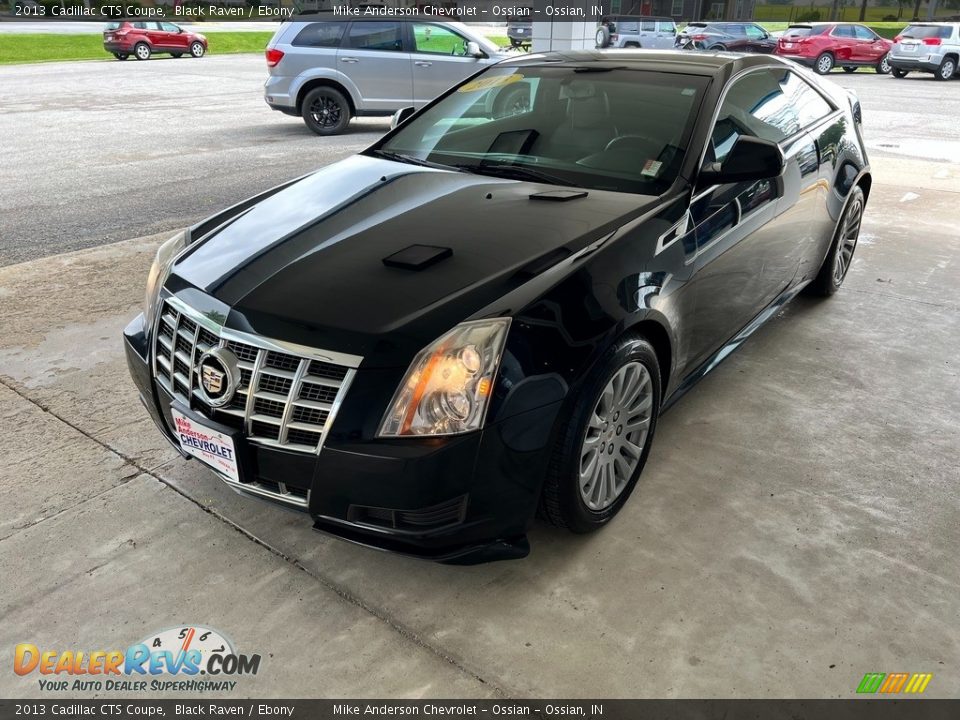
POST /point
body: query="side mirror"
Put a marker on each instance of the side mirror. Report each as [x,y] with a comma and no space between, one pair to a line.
[750,158]
[400,116]
[473,49]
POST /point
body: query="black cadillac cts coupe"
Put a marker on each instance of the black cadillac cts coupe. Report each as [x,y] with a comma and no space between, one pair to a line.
[480,318]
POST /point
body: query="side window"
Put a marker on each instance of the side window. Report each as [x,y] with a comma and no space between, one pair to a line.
[140,25]
[843,31]
[320,34]
[437,39]
[769,104]
[667,27]
[169,27]
[864,33]
[376,36]
[755,33]
[628,27]
[648,26]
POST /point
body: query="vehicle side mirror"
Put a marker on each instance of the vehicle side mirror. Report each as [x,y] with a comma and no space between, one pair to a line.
[750,158]
[400,116]
[473,49]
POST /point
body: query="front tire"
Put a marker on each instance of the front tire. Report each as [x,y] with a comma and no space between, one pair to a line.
[883,67]
[197,49]
[121,56]
[824,63]
[946,70]
[326,111]
[605,438]
[898,73]
[141,51]
[840,257]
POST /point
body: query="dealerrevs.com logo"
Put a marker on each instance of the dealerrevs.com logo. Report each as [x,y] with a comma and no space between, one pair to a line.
[190,658]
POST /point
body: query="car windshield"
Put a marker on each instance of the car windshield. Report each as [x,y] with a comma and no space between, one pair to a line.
[920,32]
[590,126]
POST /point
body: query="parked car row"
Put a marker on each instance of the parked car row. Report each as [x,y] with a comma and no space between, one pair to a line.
[924,47]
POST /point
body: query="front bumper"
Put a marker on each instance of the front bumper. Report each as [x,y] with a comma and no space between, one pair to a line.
[463,499]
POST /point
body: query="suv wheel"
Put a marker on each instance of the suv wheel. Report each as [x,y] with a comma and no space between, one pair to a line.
[883,67]
[142,51]
[121,56]
[326,111]
[602,449]
[849,68]
[898,73]
[946,70]
[824,63]
[197,49]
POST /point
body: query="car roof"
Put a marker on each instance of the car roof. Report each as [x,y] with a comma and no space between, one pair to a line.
[698,63]
[638,17]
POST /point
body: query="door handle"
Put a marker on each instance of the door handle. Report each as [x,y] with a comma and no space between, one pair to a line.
[422,63]
[349,59]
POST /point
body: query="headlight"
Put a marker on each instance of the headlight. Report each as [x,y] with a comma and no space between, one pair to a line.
[447,388]
[158,274]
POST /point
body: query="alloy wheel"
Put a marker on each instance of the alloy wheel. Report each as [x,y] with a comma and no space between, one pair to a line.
[142,51]
[824,64]
[196,50]
[615,436]
[884,66]
[947,69]
[847,242]
[326,111]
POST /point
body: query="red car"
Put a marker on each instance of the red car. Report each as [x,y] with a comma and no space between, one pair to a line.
[143,38]
[824,46]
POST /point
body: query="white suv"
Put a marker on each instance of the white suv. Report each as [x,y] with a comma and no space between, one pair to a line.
[328,70]
[927,47]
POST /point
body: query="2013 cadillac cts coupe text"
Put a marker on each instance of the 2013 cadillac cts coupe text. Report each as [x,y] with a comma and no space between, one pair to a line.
[480,317]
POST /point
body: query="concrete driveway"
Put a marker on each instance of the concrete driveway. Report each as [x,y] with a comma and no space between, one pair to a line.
[796,527]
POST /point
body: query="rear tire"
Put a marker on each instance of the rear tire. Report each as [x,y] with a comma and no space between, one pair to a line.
[718,48]
[883,67]
[946,70]
[898,73]
[325,111]
[837,263]
[141,51]
[177,55]
[824,63]
[197,49]
[605,438]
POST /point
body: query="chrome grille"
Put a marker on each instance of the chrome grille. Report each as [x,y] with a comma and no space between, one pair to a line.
[283,399]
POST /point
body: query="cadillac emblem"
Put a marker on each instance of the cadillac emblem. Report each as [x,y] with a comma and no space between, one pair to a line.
[219,375]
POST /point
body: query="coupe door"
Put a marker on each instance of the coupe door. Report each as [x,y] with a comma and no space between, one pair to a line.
[440,60]
[373,57]
[751,236]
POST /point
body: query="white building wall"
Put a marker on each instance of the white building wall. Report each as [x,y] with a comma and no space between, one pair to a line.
[565,35]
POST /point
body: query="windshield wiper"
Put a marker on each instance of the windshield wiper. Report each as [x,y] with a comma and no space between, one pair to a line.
[518,172]
[409,159]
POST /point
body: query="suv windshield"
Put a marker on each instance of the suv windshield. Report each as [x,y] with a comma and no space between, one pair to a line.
[919,32]
[593,127]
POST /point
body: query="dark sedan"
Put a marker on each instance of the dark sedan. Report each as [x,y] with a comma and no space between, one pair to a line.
[482,316]
[736,36]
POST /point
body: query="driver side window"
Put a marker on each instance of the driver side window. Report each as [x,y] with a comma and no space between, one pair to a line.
[438,40]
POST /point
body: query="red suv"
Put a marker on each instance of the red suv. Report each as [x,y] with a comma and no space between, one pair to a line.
[142,38]
[824,46]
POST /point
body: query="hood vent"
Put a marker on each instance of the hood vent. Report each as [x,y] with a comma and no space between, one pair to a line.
[417,257]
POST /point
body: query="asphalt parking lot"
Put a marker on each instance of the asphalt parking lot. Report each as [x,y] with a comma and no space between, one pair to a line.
[796,526]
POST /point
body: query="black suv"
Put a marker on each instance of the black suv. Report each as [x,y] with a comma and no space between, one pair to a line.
[738,36]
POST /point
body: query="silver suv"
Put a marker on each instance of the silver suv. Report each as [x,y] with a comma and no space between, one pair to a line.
[328,70]
[634,31]
[927,47]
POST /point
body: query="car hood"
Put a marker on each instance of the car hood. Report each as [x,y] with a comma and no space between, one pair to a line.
[306,264]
